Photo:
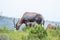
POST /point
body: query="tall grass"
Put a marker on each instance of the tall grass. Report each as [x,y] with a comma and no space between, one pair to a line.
[30,33]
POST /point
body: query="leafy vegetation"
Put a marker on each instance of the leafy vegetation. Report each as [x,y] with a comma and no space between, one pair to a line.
[30,33]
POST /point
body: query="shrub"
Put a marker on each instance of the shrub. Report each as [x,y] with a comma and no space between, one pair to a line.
[36,32]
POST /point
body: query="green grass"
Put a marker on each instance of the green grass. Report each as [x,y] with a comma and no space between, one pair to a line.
[30,33]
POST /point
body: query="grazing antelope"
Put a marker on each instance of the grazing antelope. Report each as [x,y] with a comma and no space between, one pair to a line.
[28,18]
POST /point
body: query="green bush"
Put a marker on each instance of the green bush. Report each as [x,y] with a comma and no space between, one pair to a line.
[36,32]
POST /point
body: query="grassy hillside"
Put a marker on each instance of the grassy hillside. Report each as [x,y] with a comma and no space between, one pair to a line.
[30,33]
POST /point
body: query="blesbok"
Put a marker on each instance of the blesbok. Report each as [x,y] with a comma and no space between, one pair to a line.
[28,18]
